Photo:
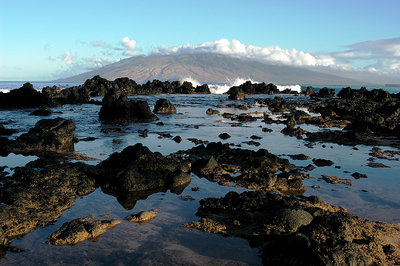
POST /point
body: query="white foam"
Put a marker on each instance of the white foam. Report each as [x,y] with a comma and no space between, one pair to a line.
[4,90]
[296,88]
[194,82]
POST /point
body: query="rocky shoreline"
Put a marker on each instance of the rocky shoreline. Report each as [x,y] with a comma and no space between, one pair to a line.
[287,228]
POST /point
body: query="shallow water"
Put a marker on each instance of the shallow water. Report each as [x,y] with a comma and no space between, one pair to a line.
[163,241]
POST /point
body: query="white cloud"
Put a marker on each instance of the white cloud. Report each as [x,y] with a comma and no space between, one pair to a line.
[273,54]
[381,55]
[68,58]
[130,46]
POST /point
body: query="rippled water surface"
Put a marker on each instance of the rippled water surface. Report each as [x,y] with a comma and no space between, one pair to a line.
[163,240]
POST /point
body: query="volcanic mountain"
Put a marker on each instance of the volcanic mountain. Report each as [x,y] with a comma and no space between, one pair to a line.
[209,68]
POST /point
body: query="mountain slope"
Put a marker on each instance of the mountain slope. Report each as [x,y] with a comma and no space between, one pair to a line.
[209,68]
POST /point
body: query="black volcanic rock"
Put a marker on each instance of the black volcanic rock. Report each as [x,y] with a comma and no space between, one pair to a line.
[164,106]
[252,169]
[136,168]
[45,111]
[298,230]
[117,108]
[49,135]
[236,93]
[24,97]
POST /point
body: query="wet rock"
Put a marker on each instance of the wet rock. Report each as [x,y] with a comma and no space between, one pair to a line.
[142,217]
[164,106]
[48,135]
[252,143]
[79,230]
[24,97]
[255,137]
[322,162]
[7,132]
[187,198]
[117,107]
[336,180]
[264,129]
[212,111]
[377,165]
[224,136]
[325,93]
[236,94]
[38,193]
[357,175]
[136,168]
[218,162]
[256,88]
[177,139]
[300,231]
[299,157]
[45,111]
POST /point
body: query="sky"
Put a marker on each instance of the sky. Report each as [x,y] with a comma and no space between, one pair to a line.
[45,40]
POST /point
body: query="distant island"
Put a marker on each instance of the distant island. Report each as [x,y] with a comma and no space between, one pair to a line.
[209,68]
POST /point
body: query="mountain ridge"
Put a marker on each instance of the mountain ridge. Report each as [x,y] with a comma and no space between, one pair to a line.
[210,68]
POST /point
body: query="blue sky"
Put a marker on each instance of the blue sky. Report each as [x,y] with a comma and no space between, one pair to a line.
[44,40]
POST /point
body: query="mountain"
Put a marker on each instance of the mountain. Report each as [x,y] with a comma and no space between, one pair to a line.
[209,68]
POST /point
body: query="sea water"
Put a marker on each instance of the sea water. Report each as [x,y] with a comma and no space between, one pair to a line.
[163,240]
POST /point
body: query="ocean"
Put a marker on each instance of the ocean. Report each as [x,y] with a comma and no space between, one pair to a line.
[376,197]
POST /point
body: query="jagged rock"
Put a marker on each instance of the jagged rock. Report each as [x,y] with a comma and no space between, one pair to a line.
[79,230]
[164,106]
[300,231]
[24,97]
[236,94]
[117,107]
[218,162]
[49,135]
[45,111]
[136,168]
[212,111]
[38,193]
[142,217]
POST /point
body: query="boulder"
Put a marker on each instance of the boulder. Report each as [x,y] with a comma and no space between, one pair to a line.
[136,168]
[164,106]
[49,135]
[236,94]
[117,108]
[45,111]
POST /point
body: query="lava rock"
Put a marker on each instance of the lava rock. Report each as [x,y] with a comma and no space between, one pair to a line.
[49,135]
[136,168]
[79,230]
[164,106]
[45,111]
[117,107]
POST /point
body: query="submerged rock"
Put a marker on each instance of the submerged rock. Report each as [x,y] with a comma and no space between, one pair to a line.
[79,230]
[299,231]
[164,106]
[45,111]
[142,217]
